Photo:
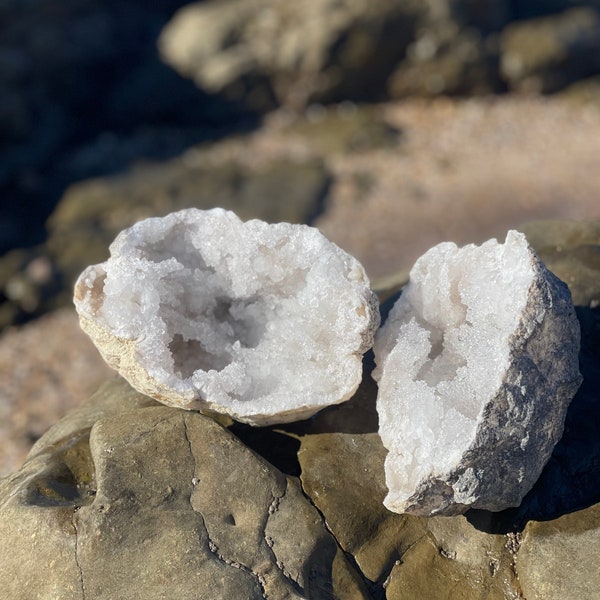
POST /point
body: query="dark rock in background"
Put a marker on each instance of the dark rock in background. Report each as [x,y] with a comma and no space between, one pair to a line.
[454,51]
[323,52]
[548,53]
[84,93]
[527,9]
[265,54]
[268,53]
[28,279]
[445,60]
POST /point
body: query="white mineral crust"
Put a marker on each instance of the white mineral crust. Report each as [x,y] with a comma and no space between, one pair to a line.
[266,323]
[476,365]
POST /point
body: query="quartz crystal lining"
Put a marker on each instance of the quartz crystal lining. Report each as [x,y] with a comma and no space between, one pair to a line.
[265,322]
[476,365]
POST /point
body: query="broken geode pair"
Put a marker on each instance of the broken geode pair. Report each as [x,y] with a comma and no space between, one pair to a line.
[267,323]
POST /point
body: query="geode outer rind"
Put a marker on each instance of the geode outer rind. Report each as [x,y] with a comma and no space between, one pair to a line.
[520,425]
[265,323]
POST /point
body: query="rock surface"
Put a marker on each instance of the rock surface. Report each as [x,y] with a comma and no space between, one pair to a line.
[126,498]
[406,556]
[200,310]
[476,364]
[556,557]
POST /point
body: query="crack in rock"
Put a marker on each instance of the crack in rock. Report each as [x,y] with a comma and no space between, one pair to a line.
[387,576]
[273,576]
[236,565]
[387,580]
[148,431]
[375,588]
[270,543]
[77,563]
[189,442]
[211,545]
[514,539]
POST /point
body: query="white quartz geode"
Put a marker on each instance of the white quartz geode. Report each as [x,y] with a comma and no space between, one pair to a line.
[476,364]
[264,322]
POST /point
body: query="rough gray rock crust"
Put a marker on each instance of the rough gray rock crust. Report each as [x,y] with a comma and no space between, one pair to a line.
[504,413]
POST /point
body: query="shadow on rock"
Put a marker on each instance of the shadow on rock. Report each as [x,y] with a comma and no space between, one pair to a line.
[355,416]
[277,448]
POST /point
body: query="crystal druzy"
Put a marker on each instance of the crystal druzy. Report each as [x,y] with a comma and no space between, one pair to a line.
[264,322]
[476,364]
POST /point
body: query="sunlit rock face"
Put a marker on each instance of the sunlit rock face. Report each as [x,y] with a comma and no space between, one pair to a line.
[264,322]
[476,366]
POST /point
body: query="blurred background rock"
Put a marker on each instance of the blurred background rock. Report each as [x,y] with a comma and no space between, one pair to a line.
[390,125]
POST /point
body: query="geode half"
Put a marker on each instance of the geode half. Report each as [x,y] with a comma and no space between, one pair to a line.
[476,364]
[264,322]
